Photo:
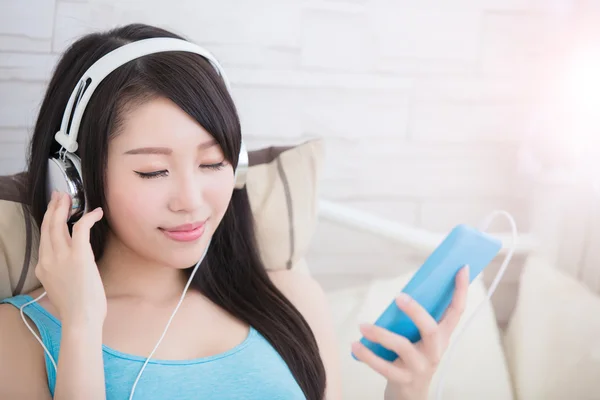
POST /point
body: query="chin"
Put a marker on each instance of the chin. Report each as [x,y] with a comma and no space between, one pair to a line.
[182,257]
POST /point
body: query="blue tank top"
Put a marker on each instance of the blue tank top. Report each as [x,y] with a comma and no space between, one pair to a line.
[252,370]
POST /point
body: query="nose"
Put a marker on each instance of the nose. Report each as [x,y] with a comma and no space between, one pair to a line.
[186,193]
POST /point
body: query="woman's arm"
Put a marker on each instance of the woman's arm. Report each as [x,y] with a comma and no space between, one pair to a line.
[68,272]
[80,365]
[308,297]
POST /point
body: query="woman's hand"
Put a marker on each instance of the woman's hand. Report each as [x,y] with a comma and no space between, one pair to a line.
[66,265]
[409,377]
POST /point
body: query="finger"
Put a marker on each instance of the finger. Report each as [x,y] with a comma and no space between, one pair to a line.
[45,242]
[381,366]
[81,229]
[425,323]
[400,345]
[457,307]
[59,232]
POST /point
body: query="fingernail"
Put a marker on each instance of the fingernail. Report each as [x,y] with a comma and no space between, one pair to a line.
[403,298]
[53,195]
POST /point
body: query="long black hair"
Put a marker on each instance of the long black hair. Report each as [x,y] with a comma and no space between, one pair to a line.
[232,275]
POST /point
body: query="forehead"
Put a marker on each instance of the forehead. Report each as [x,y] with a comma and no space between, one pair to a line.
[159,122]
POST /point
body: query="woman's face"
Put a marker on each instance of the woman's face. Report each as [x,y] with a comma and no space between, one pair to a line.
[167,184]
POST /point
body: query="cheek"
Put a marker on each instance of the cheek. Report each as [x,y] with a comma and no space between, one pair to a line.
[217,193]
[131,205]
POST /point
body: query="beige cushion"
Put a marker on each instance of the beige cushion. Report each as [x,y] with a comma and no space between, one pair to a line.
[19,238]
[282,187]
[553,338]
[283,194]
[476,371]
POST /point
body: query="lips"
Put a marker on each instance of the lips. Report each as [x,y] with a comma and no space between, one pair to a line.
[185,233]
[186,227]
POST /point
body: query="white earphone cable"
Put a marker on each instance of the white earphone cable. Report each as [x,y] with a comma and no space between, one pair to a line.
[450,351]
[167,326]
[31,329]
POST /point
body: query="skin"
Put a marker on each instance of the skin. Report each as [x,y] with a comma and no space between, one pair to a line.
[125,300]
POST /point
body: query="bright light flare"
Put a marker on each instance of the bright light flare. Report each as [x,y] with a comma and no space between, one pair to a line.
[565,134]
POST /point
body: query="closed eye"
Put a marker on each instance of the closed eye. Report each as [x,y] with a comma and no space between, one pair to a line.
[216,166]
[157,174]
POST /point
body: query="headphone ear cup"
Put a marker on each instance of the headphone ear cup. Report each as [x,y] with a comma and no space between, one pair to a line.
[64,175]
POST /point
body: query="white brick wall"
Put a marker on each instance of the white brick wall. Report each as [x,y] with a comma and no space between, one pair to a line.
[20,101]
[422,103]
[30,22]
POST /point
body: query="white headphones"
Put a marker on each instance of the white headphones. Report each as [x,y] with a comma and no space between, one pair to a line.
[64,168]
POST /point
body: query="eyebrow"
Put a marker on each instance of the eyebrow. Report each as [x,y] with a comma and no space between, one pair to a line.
[166,150]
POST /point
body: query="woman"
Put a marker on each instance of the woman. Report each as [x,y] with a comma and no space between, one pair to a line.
[159,144]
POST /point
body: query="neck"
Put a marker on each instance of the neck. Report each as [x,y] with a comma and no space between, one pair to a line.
[126,274]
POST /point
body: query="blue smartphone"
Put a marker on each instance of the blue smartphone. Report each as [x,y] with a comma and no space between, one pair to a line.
[433,284]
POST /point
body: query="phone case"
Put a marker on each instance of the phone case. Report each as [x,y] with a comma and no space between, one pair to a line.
[433,284]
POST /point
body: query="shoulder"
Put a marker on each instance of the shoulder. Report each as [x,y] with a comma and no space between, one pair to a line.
[306,294]
[22,358]
[300,288]
[15,337]
[13,328]
[309,298]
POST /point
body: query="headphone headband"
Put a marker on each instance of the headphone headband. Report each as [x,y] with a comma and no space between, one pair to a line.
[81,95]
[67,135]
